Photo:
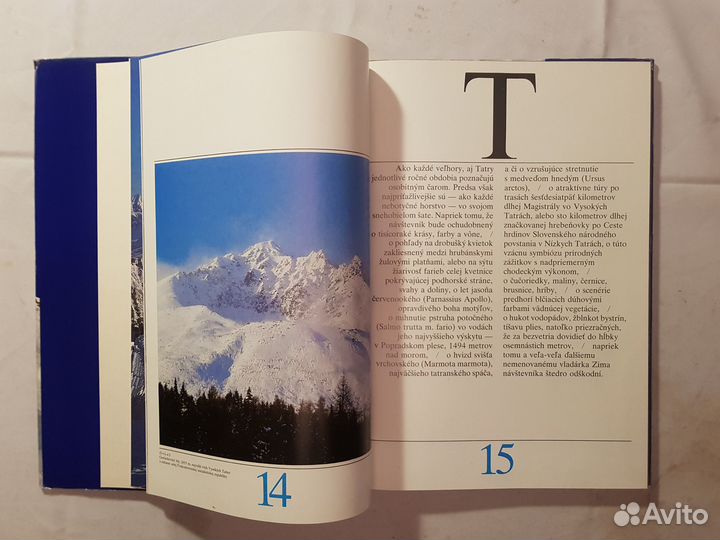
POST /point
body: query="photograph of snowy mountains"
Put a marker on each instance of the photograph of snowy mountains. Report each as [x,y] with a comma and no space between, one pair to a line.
[137,346]
[263,306]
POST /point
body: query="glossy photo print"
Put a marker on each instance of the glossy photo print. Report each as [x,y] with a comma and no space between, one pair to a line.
[263,306]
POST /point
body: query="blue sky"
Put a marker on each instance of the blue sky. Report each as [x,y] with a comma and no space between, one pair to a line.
[303,201]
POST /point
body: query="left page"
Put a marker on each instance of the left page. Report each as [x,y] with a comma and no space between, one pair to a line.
[115,342]
[255,191]
[120,309]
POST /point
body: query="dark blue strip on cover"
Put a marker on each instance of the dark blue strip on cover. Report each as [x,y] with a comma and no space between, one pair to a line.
[66,259]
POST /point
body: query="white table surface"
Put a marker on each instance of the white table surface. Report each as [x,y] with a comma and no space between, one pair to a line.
[684,39]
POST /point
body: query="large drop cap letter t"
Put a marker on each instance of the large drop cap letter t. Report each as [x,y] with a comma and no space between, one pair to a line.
[500,80]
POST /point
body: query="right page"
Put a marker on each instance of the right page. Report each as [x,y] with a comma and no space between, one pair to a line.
[510,243]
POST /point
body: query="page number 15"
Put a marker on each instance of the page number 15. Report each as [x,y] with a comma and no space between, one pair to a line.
[503,456]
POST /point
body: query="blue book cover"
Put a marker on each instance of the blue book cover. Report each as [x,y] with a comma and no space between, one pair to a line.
[66,210]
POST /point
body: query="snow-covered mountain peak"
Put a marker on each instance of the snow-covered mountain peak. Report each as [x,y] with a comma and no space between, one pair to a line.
[355,267]
[262,283]
[314,263]
[285,326]
[136,226]
[262,251]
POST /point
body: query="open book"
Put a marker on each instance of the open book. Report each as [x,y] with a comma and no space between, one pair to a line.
[295,276]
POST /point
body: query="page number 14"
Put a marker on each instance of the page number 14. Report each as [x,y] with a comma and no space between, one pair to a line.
[278,491]
[502,457]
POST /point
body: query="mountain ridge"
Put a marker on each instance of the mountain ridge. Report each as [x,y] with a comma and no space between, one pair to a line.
[282,325]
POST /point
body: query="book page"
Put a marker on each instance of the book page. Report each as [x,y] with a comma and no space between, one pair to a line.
[256,234]
[114,274]
[510,219]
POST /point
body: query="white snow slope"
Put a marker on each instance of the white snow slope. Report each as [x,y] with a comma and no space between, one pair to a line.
[263,320]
